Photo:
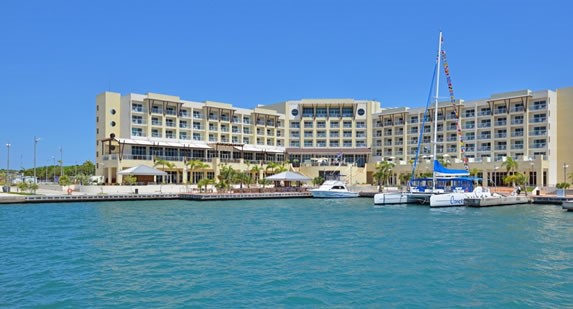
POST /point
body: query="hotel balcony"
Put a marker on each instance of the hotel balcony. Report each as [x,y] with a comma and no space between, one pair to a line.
[538,120]
[517,109]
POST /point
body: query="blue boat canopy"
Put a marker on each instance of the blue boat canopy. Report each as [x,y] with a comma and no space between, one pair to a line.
[440,170]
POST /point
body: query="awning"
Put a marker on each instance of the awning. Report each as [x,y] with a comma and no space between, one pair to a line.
[288,176]
[332,151]
[190,144]
[142,170]
[255,148]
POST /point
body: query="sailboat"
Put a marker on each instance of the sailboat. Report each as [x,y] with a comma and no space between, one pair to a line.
[443,180]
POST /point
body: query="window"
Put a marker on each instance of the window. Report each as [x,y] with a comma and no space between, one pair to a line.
[136,132]
[196,136]
[112,111]
[360,112]
[347,112]
[183,135]
[136,119]
[155,133]
[137,107]
[138,151]
[294,112]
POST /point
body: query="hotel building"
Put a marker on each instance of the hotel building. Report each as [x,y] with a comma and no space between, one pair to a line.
[330,137]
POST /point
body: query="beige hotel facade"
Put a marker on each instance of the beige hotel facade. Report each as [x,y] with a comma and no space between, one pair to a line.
[336,137]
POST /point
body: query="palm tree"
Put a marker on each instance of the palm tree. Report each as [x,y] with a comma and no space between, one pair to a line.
[404,177]
[226,176]
[383,172]
[256,169]
[205,182]
[510,166]
[516,179]
[474,171]
[272,166]
[317,181]
[193,165]
[163,163]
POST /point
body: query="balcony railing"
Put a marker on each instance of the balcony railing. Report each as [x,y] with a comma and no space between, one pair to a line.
[537,133]
[538,120]
[537,107]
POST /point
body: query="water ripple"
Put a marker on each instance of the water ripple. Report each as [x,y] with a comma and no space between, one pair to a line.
[313,253]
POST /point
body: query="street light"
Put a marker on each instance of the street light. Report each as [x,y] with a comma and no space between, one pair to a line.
[495,167]
[565,166]
[54,159]
[61,161]
[36,140]
[8,167]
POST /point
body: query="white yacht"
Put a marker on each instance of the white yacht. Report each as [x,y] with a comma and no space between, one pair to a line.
[333,189]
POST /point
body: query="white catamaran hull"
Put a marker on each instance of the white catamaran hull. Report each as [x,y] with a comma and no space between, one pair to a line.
[449,199]
[391,198]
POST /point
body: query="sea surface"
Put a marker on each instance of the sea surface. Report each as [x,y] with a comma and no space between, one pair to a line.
[284,253]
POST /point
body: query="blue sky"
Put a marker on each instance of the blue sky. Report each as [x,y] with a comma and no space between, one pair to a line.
[56,56]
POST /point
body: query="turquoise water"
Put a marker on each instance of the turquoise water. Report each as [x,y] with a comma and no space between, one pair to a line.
[285,253]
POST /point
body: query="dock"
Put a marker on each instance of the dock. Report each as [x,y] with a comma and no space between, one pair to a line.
[242,196]
[496,201]
[29,199]
[550,199]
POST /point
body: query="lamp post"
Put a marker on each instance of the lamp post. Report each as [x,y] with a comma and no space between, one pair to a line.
[36,140]
[54,159]
[8,167]
[495,167]
[565,166]
[61,161]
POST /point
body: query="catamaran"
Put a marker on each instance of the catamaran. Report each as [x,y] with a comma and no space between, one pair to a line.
[443,181]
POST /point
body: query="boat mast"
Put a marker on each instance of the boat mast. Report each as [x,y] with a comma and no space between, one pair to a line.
[436,110]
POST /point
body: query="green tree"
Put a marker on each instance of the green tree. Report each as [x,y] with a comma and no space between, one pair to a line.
[129,180]
[194,165]
[226,176]
[256,169]
[317,181]
[404,178]
[64,181]
[33,187]
[264,182]
[383,173]
[510,166]
[204,183]
[23,186]
[81,179]
[271,166]
[164,163]
[474,172]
